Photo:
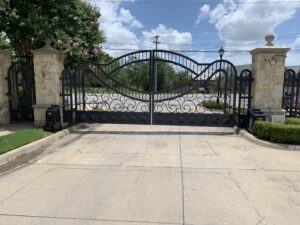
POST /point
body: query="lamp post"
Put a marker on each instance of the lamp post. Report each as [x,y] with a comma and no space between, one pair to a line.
[221,54]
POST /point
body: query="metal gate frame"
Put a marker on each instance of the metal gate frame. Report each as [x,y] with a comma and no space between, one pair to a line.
[236,96]
[21,107]
[291,93]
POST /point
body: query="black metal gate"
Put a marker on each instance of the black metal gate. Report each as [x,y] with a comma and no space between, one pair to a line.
[21,92]
[155,87]
[291,93]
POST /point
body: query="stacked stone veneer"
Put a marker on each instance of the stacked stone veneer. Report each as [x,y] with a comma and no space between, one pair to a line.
[5,63]
[48,67]
[268,65]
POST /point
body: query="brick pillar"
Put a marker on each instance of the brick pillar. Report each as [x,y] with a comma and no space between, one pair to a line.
[268,65]
[5,63]
[48,66]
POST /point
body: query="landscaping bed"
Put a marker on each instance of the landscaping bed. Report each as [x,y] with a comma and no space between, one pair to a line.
[213,105]
[282,133]
[20,138]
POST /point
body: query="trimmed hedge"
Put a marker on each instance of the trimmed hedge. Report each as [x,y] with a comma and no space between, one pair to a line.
[294,121]
[283,133]
[213,105]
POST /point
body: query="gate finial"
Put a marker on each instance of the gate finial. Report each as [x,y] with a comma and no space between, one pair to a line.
[269,39]
[48,42]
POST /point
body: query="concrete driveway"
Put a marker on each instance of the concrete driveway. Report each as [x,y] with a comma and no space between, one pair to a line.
[142,175]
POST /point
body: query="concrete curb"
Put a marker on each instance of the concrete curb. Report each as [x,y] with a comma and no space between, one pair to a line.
[28,152]
[248,136]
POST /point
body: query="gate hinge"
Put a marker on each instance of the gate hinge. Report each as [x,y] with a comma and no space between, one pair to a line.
[6,78]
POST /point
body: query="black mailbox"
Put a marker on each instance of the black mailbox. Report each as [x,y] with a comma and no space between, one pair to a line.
[255,114]
[53,119]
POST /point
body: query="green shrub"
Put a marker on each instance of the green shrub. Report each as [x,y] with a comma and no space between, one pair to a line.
[283,133]
[261,129]
[213,105]
[294,121]
[97,109]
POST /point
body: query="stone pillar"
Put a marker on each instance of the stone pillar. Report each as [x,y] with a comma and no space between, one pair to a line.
[268,66]
[5,63]
[48,67]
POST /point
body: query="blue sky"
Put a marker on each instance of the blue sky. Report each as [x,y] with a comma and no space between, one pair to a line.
[201,25]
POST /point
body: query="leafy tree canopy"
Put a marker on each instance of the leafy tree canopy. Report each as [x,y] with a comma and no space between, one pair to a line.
[72,24]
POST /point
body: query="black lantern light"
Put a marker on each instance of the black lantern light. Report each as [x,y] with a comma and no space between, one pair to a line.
[221,53]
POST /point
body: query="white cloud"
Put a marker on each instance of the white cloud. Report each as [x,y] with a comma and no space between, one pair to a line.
[126,17]
[117,24]
[296,43]
[203,15]
[169,38]
[249,22]
[244,26]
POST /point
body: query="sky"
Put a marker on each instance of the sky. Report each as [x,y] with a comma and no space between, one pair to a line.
[200,27]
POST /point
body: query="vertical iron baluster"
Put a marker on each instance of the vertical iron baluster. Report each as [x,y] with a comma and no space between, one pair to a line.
[235,77]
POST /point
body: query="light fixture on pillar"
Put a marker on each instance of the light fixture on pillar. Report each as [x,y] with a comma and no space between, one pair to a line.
[221,53]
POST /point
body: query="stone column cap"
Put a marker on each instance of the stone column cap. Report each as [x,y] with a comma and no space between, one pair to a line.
[269,49]
[3,52]
[47,49]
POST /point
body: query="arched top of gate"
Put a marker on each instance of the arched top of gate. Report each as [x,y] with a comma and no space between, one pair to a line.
[185,62]
[20,68]
[180,60]
[289,72]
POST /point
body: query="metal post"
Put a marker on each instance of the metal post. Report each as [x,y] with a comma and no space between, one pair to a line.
[218,99]
[152,84]
[156,42]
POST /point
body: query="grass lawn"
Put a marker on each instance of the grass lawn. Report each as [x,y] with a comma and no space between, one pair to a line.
[20,138]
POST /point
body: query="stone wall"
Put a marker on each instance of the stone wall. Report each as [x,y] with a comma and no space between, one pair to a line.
[5,63]
[268,66]
[48,66]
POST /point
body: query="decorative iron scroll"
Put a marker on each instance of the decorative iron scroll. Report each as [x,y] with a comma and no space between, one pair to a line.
[155,82]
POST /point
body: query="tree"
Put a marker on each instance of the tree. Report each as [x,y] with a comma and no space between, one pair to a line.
[72,24]
[4,44]
[137,76]
[170,76]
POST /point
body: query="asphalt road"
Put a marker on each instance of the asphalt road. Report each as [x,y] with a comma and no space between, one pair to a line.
[159,175]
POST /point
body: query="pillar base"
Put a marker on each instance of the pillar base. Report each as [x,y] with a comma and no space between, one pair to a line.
[39,115]
[275,115]
[4,115]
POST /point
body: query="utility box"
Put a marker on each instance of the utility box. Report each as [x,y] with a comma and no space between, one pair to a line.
[255,115]
[53,118]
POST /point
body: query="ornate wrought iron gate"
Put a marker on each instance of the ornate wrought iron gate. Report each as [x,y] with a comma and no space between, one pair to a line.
[155,87]
[291,93]
[21,92]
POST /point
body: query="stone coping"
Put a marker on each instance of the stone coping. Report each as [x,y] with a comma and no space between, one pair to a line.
[47,50]
[248,136]
[269,49]
[3,52]
[27,152]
